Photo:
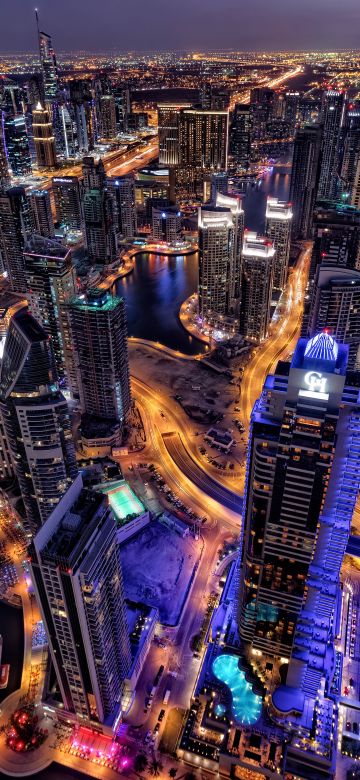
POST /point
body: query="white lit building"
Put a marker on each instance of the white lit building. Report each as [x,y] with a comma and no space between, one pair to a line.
[258,263]
[278,230]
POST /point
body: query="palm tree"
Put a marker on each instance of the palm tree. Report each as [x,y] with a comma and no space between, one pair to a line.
[155,767]
[140,762]
[173,772]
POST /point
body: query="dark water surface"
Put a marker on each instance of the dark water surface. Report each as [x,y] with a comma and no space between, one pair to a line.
[158,285]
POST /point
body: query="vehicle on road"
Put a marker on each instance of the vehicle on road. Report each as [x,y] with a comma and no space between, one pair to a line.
[166,696]
[161,715]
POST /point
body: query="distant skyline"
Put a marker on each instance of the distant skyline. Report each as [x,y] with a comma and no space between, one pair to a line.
[162,25]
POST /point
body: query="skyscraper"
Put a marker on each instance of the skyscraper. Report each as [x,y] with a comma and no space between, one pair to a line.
[262,102]
[204,139]
[51,283]
[122,190]
[336,232]
[216,237]
[66,190]
[99,214]
[42,220]
[48,64]
[333,116]
[166,224]
[304,179]
[93,171]
[291,108]
[99,335]
[107,117]
[355,192]
[234,275]
[240,137]
[350,159]
[302,482]
[335,305]
[278,230]
[36,419]
[257,283]
[16,143]
[77,577]
[44,138]
[100,229]
[168,129]
[4,168]
[15,228]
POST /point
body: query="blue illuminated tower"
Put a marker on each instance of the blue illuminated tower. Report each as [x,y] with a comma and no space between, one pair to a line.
[302,482]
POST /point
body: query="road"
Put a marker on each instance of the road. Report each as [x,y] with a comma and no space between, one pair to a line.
[244,97]
[281,342]
[118,163]
[181,456]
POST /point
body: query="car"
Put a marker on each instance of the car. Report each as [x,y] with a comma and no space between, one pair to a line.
[157,728]
[355,727]
[161,715]
[348,725]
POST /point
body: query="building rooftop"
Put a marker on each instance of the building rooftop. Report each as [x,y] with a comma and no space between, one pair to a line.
[46,247]
[74,529]
[122,499]
[96,300]
[276,209]
[257,246]
[322,346]
[321,352]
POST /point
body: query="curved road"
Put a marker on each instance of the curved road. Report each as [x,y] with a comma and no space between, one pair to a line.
[178,452]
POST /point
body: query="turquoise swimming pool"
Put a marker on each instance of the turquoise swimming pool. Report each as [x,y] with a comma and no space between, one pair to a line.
[246,705]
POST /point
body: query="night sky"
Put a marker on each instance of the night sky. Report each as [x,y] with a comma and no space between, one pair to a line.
[100,25]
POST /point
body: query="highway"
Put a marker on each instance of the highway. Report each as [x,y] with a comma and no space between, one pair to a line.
[118,163]
[180,454]
[244,97]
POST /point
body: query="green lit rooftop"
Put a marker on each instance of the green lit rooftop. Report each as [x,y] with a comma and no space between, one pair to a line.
[96,300]
[123,500]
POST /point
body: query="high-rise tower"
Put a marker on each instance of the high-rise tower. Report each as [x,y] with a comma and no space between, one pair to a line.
[66,190]
[216,237]
[122,190]
[302,483]
[48,64]
[44,138]
[15,228]
[333,116]
[76,571]
[304,179]
[51,284]
[36,418]
[99,335]
[234,275]
[257,283]
[278,230]
[41,215]
[335,305]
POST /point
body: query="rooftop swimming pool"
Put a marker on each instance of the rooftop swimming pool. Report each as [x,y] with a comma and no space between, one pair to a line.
[246,705]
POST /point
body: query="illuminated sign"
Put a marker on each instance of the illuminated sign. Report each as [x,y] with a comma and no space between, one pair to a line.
[315,381]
